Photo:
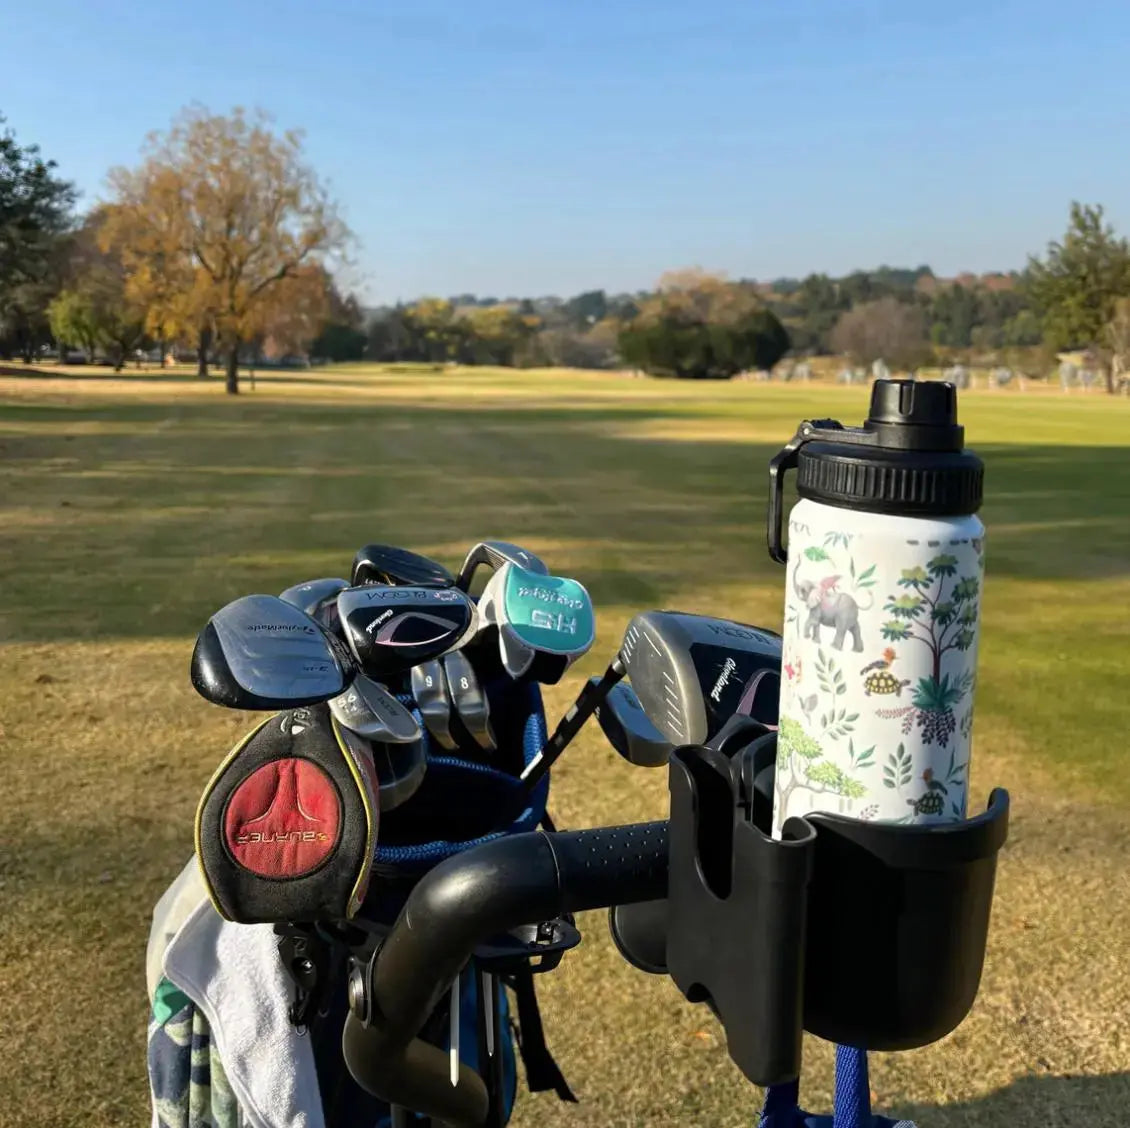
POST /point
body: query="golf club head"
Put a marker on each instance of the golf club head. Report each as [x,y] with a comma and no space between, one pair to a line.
[629,729]
[429,688]
[496,553]
[399,768]
[369,710]
[391,629]
[311,594]
[545,623]
[691,673]
[260,652]
[388,564]
[467,696]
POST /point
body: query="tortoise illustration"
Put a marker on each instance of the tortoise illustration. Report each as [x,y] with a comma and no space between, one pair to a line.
[879,679]
[933,802]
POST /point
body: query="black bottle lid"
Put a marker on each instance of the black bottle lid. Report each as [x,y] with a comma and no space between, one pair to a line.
[908,459]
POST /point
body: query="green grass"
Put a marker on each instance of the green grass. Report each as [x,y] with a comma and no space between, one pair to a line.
[130,509]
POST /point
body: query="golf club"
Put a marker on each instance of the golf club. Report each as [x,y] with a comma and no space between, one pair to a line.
[690,673]
[629,729]
[369,710]
[392,629]
[467,696]
[260,652]
[545,623]
[388,564]
[496,553]
[429,688]
[399,768]
[693,672]
[309,595]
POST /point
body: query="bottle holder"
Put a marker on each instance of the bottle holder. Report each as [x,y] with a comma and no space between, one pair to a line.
[736,910]
[869,935]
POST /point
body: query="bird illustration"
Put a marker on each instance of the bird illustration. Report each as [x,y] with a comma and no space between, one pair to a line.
[878,677]
[792,670]
[828,585]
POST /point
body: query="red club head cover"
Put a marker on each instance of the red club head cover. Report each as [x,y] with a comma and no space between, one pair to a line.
[286,828]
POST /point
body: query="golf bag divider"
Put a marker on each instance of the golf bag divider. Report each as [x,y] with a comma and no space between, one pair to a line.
[869,935]
[737,902]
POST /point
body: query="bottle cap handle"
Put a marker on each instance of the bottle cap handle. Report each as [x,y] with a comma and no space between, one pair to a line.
[786,459]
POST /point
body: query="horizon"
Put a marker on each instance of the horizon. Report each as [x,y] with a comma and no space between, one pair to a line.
[567,148]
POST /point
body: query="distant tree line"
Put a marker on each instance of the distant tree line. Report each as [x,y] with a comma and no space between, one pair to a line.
[223,245]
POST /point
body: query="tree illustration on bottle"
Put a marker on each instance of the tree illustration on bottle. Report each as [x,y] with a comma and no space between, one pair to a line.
[801,764]
[944,623]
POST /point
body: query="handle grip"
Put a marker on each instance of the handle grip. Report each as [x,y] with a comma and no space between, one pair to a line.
[492,888]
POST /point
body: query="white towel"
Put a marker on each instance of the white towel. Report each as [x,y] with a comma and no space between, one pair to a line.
[233,974]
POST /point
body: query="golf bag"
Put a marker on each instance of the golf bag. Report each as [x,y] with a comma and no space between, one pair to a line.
[237,1036]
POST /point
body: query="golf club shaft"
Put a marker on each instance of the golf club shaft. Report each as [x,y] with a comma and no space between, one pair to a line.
[586,704]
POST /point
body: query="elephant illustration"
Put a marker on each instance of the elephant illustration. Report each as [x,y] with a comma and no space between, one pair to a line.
[829,607]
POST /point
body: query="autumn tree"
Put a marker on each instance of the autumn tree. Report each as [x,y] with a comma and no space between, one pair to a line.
[145,230]
[1076,286]
[228,215]
[886,329]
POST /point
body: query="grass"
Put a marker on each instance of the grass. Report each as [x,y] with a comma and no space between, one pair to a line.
[131,508]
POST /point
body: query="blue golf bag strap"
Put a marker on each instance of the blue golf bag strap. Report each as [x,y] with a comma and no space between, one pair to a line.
[852,1100]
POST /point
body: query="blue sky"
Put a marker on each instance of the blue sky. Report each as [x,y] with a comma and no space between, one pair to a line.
[552,146]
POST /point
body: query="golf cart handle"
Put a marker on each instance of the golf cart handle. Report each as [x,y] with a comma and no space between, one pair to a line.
[465,900]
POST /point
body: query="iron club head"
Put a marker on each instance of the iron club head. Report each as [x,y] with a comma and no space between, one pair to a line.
[388,564]
[392,629]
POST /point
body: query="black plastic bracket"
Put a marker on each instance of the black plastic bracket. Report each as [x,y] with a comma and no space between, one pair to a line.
[866,934]
[737,913]
[536,946]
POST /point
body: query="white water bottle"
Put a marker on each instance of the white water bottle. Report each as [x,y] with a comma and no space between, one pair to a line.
[882,611]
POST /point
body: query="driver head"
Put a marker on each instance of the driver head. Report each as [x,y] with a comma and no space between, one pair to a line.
[392,629]
[259,652]
[693,672]
[545,623]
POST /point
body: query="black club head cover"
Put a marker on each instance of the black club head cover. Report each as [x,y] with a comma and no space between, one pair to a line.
[287,826]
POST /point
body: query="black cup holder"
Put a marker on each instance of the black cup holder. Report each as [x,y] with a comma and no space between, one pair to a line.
[869,935]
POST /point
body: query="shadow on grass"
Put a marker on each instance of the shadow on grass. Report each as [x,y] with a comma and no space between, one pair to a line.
[1046,1101]
[271,377]
[144,530]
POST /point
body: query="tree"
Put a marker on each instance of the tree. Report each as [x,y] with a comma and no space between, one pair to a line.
[1076,286]
[954,314]
[700,326]
[225,200]
[586,309]
[433,325]
[71,316]
[885,329]
[96,308]
[819,305]
[146,234]
[35,215]
[1117,339]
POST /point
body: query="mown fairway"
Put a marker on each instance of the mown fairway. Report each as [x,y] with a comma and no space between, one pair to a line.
[130,510]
